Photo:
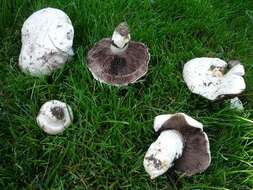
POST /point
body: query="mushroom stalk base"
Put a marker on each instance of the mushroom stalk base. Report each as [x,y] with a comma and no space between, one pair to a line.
[162,153]
[236,104]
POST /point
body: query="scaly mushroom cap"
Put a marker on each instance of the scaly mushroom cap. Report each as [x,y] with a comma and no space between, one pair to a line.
[118,61]
[47,38]
[196,155]
[54,116]
[213,78]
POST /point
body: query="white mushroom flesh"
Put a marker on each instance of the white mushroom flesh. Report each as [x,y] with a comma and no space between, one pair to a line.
[162,153]
[161,119]
[236,104]
[120,41]
[47,38]
[54,116]
[207,77]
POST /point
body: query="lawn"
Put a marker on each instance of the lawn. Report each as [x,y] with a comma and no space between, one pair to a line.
[112,128]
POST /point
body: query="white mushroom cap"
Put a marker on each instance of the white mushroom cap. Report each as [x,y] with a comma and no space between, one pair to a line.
[47,38]
[208,77]
[161,119]
[54,116]
[181,143]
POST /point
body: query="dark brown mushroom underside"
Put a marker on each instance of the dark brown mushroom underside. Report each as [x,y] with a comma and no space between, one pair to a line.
[118,69]
[195,157]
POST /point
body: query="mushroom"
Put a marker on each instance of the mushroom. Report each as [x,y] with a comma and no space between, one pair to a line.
[118,61]
[47,38]
[54,116]
[213,78]
[181,143]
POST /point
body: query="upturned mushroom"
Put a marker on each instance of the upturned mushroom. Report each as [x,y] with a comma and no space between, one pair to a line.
[54,116]
[213,78]
[182,143]
[118,60]
[47,38]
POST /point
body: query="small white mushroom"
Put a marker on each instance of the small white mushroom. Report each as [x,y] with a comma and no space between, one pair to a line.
[181,143]
[47,38]
[54,116]
[213,78]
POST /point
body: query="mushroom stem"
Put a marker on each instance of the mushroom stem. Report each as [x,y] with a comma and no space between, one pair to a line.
[162,153]
[120,38]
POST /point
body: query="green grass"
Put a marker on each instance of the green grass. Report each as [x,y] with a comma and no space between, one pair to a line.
[112,129]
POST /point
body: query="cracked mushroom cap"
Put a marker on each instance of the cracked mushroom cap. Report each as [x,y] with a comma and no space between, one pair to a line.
[47,38]
[54,116]
[118,61]
[213,78]
[181,143]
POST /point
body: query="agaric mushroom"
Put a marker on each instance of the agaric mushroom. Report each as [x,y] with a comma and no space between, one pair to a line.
[54,116]
[47,38]
[182,143]
[213,78]
[118,61]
